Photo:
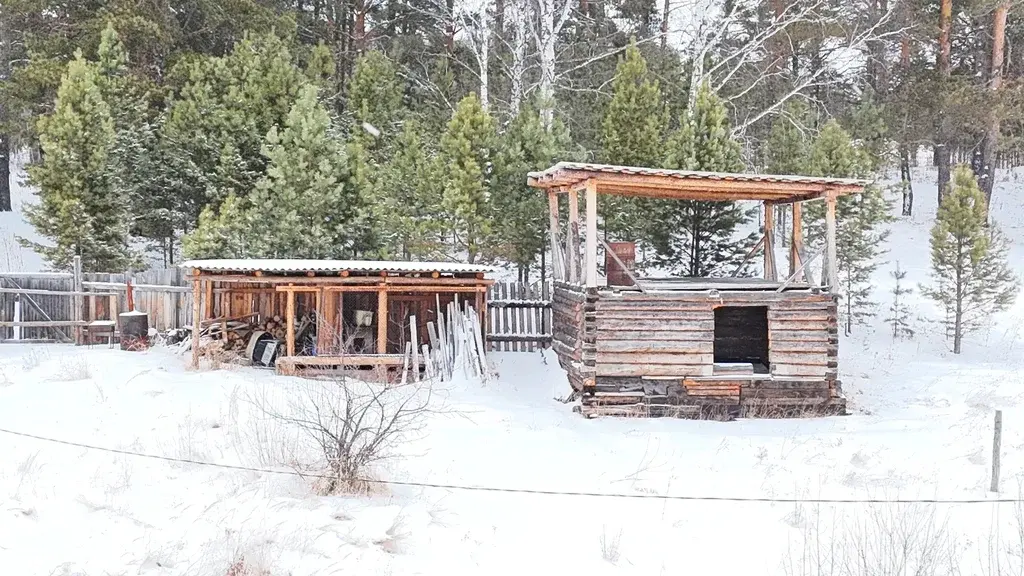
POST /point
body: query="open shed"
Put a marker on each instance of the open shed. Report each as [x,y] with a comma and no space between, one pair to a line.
[335,313]
[695,347]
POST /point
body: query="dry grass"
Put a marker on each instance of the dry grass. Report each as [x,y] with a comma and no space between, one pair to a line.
[72,369]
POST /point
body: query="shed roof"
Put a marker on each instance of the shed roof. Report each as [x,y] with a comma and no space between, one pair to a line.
[689,184]
[332,266]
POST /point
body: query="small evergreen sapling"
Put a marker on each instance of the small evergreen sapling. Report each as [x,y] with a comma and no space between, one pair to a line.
[972,279]
[899,314]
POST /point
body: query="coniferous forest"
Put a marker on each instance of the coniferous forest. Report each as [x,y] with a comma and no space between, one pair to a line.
[405,129]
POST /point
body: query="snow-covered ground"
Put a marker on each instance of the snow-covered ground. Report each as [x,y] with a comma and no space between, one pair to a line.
[921,428]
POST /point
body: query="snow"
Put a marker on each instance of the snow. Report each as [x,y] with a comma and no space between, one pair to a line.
[299,265]
[921,428]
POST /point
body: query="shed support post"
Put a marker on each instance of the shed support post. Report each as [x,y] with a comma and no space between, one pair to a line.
[769,242]
[197,318]
[290,322]
[77,301]
[573,240]
[591,234]
[830,243]
[382,321]
[557,272]
[796,245]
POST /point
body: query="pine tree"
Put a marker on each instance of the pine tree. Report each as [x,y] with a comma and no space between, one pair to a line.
[899,315]
[304,207]
[520,213]
[467,148]
[375,94]
[79,212]
[859,221]
[632,134]
[409,203]
[868,130]
[221,233]
[786,150]
[696,238]
[969,260]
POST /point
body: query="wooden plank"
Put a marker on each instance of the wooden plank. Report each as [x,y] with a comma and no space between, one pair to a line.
[653,370]
[558,271]
[382,322]
[809,358]
[797,336]
[812,314]
[830,243]
[656,346]
[289,318]
[613,334]
[573,239]
[798,370]
[666,316]
[655,324]
[796,245]
[769,242]
[789,325]
[44,324]
[653,358]
[344,360]
[591,272]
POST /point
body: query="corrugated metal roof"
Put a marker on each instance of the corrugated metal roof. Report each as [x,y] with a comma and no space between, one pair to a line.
[563,167]
[296,265]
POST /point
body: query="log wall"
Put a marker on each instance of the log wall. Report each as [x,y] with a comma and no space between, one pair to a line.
[654,353]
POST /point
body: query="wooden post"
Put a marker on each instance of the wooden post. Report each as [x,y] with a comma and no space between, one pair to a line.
[77,299]
[209,299]
[573,241]
[591,234]
[556,269]
[796,245]
[997,440]
[830,243]
[382,321]
[197,317]
[321,324]
[289,318]
[769,242]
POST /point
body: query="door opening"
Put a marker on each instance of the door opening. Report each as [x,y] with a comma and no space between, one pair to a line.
[741,336]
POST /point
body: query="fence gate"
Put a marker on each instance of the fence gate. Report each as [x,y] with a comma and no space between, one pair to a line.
[519,316]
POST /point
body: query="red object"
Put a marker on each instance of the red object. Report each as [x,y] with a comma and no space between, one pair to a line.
[131,297]
[626,251]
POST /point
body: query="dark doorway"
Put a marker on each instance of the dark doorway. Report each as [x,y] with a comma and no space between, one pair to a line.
[741,336]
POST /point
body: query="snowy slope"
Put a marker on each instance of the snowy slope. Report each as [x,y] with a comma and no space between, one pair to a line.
[920,428]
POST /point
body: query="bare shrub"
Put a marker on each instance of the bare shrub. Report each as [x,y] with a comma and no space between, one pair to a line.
[394,537]
[72,368]
[610,545]
[877,539]
[33,358]
[351,425]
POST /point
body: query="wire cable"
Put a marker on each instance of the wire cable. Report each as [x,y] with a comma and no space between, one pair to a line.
[534,491]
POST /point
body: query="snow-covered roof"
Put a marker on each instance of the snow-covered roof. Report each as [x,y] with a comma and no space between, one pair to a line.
[298,265]
[660,182]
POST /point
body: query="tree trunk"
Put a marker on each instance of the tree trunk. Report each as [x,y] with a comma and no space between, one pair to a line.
[666,10]
[449,27]
[907,181]
[5,173]
[547,61]
[990,145]
[499,17]
[942,65]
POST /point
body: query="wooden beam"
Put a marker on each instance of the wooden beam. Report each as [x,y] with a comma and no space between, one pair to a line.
[382,321]
[197,318]
[289,318]
[720,188]
[372,281]
[556,262]
[44,324]
[769,242]
[796,244]
[591,234]
[830,243]
[209,297]
[573,238]
[78,301]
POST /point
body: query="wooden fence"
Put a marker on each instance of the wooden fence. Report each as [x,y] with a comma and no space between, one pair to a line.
[42,306]
[518,314]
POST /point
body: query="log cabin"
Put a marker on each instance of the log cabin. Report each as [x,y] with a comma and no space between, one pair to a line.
[694,347]
[333,313]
